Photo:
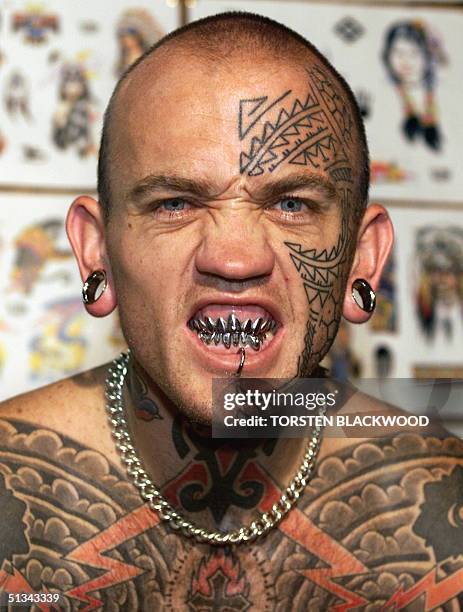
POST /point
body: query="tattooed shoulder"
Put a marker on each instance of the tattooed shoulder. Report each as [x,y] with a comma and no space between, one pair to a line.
[72,523]
[384,523]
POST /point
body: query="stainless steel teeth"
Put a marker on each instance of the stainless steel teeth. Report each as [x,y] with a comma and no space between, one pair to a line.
[232,331]
[266,326]
[233,323]
[237,339]
[206,338]
[255,342]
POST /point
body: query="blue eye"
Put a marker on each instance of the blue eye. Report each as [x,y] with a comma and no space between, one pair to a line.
[290,205]
[174,205]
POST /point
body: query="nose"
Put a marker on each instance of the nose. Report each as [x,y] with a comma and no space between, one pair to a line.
[235,247]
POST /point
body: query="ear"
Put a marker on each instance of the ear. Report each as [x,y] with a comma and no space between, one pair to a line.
[374,244]
[85,228]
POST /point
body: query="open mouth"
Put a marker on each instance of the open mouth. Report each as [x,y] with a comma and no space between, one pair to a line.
[229,326]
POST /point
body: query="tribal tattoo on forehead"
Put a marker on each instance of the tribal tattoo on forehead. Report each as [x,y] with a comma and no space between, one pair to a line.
[316,132]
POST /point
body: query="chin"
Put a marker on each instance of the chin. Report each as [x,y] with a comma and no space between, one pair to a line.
[193,404]
[200,414]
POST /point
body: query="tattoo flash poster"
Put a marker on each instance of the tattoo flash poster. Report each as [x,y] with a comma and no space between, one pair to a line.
[404,66]
[428,288]
[59,62]
[45,332]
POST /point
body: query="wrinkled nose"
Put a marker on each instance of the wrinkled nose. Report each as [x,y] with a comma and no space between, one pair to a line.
[235,247]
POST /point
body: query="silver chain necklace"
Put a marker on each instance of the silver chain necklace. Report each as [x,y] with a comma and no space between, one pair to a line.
[153,497]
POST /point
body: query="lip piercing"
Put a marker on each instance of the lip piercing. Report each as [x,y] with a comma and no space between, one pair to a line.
[242,353]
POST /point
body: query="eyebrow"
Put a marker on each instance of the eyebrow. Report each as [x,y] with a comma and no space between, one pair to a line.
[286,185]
[202,188]
[160,182]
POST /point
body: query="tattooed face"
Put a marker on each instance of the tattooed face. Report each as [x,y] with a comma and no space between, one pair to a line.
[233,191]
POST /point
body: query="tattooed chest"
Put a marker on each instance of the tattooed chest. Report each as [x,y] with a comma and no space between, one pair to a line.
[380,528]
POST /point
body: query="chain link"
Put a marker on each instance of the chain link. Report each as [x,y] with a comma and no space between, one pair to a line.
[151,495]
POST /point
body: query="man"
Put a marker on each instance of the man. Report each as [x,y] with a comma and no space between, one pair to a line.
[232,233]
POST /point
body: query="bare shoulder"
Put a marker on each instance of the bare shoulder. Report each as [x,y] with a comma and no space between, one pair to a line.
[74,407]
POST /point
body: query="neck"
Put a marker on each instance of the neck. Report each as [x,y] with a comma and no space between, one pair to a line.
[215,483]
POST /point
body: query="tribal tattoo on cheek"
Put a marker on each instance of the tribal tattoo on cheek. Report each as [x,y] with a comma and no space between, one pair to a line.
[316,132]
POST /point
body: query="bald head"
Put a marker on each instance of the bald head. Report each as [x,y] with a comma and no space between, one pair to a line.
[232,45]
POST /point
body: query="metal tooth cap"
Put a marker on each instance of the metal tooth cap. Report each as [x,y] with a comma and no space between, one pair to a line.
[227,340]
[255,343]
[210,324]
[221,326]
[191,324]
[217,337]
[233,323]
[257,325]
[201,325]
[243,338]
[247,327]
[266,325]
[236,339]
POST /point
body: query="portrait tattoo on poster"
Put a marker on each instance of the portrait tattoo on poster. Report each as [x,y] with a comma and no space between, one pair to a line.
[379,527]
[411,55]
[74,114]
[313,132]
[439,290]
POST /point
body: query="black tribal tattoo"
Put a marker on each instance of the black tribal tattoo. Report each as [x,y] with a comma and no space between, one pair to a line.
[314,132]
[218,477]
[378,528]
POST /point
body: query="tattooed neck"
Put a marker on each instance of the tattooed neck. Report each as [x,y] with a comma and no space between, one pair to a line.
[144,406]
[217,483]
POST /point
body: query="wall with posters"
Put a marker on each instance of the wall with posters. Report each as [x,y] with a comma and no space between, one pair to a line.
[59,62]
[404,64]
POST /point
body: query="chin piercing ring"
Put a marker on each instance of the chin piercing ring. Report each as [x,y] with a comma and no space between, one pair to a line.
[242,353]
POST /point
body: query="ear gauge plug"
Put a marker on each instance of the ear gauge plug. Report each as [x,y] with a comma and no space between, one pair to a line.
[94,287]
[363,295]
